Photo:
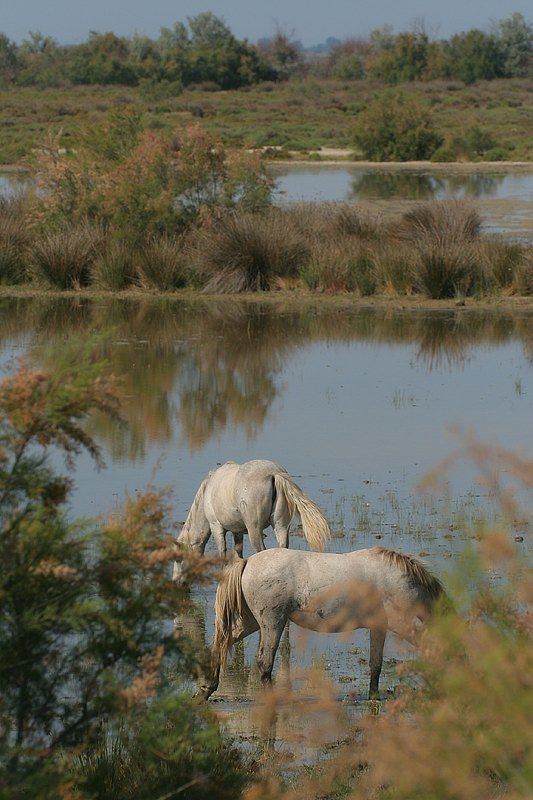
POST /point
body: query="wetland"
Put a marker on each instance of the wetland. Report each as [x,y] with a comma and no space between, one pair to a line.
[359,402]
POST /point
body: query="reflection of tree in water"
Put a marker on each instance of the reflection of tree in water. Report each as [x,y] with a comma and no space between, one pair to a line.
[213,364]
[479,185]
[388,186]
[377,185]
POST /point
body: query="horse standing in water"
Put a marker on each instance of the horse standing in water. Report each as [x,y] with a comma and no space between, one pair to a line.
[378,589]
[247,498]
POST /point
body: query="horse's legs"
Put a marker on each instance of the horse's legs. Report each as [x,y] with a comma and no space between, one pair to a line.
[377,643]
[220,538]
[238,539]
[282,535]
[281,520]
[255,532]
[270,635]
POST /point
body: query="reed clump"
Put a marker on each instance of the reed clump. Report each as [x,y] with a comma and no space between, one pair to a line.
[15,240]
[437,250]
[247,252]
[64,258]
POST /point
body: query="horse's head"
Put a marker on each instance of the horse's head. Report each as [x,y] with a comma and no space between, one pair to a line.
[182,544]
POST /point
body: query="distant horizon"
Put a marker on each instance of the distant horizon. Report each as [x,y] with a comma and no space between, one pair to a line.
[307,21]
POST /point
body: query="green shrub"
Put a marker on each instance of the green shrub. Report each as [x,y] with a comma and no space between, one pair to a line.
[396,126]
[87,645]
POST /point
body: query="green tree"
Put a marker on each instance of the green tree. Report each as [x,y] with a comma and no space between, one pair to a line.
[406,60]
[474,56]
[86,641]
[208,30]
[396,126]
[9,60]
[515,36]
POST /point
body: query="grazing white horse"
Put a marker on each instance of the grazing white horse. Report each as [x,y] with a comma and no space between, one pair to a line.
[378,589]
[247,498]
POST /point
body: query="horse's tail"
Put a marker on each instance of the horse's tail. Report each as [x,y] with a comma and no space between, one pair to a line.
[228,610]
[315,525]
[430,587]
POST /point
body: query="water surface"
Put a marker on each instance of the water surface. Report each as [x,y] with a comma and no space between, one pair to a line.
[357,403]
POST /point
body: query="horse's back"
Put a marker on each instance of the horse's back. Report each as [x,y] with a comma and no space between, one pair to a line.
[241,494]
[334,583]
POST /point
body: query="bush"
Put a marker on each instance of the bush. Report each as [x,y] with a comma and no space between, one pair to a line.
[115,268]
[396,127]
[86,640]
[339,267]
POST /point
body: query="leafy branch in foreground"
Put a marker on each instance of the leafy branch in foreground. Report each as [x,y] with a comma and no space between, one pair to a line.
[88,652]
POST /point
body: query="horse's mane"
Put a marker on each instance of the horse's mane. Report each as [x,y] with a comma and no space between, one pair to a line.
[198,498]
[414,568]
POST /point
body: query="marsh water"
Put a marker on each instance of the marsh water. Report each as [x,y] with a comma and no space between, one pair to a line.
[502,193]
[358,403]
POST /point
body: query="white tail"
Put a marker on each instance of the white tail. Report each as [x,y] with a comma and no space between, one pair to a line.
[315,525]
[228,610]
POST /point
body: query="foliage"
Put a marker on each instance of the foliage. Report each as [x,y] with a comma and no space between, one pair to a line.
[405,61]
[396,126]
[474,56]
[86,636]
[65,258]
[144,183]
[515,37]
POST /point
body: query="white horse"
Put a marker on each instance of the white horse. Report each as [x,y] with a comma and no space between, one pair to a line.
[247,498]
[378,589]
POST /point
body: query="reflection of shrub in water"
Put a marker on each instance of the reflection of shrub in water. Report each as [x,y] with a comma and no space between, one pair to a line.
[388,185]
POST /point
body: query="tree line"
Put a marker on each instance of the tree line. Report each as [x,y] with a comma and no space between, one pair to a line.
[205,52]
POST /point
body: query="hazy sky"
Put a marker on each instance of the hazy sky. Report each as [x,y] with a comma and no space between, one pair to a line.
[310,21]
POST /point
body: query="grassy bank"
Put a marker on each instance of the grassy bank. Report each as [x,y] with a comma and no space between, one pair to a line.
[293,118]
[436,250]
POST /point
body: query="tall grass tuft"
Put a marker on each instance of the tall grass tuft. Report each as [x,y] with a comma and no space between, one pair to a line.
[523,277]
[162,263]
[247,252]
[65,258]
[442,235]
[15,239]
[115,267]
[500,262]
[333,221]
[342,266]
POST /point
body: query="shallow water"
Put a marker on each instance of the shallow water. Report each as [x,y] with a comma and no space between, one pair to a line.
[357,403]
[503,196]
